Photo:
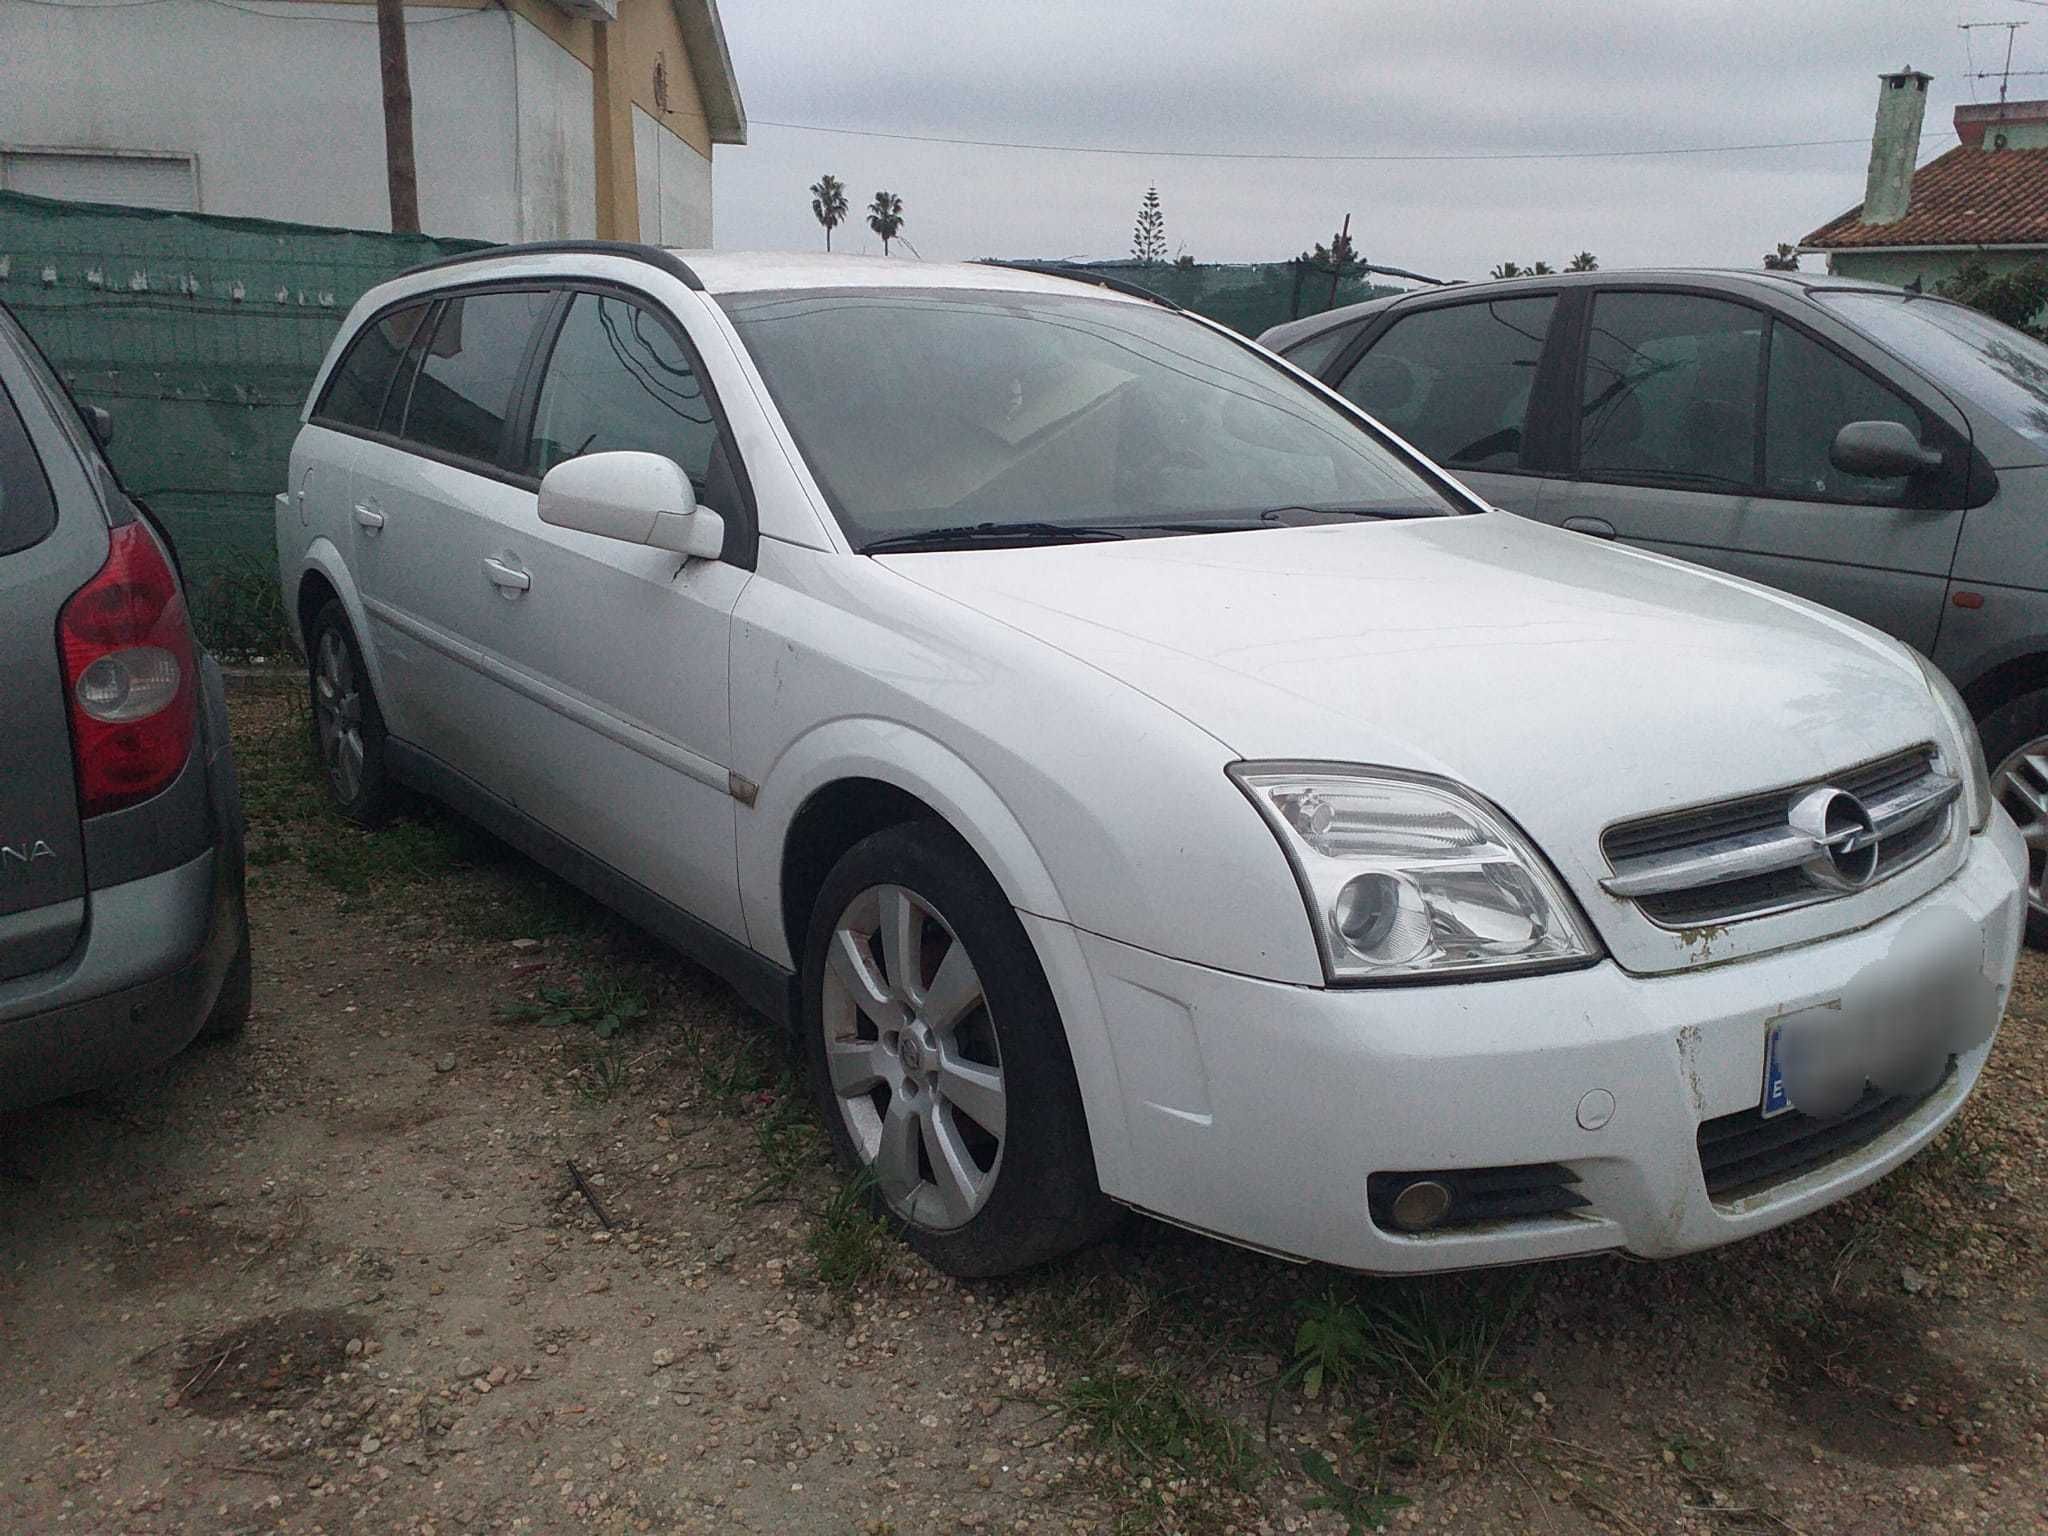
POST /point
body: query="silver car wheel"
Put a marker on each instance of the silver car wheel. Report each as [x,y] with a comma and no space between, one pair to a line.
[338,715]
[912,1057]
[2021,786]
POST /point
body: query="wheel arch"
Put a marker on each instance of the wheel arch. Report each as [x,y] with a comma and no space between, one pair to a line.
[322,575]
[2005,681]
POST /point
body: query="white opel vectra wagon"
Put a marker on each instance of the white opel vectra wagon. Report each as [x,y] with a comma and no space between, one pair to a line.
[1134,776]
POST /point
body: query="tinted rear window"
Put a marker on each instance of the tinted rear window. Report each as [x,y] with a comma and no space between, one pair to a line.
[27,509]
[355,395]
[464,389]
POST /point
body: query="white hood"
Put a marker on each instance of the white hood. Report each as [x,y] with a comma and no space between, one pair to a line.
[1572,682]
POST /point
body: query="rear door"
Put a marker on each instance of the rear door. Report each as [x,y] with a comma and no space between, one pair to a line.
[425,490]
[42,865]
[1458,380]
[1703,428]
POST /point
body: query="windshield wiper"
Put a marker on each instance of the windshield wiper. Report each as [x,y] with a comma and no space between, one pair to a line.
[1275,514]
[962,534]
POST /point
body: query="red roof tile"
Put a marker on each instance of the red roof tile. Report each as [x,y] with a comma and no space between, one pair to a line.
[1966,197]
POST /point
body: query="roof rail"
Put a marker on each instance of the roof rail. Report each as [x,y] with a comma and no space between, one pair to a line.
[653,255]
[1094,279]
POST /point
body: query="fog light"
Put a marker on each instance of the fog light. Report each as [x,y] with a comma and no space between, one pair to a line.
[1421,1205]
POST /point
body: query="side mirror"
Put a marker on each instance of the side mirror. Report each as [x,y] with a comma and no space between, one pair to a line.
[636,498]
[101,424]
[1881,450]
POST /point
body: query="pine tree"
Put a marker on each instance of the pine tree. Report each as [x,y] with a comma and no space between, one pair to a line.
[1148,239]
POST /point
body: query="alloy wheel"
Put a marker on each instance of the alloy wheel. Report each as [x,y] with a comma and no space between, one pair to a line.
[338,715]
[2021,786]
[911,1052]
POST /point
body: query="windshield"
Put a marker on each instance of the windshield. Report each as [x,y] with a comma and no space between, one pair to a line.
[972,412]
[2002,370]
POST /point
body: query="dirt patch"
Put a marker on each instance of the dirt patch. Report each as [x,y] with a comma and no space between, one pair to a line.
[270,1362]
[1863,1381]
[173,1249]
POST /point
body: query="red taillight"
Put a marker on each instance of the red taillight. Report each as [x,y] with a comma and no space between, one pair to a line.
[129,674]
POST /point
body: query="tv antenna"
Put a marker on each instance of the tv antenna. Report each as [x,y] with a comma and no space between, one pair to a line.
[2004,75]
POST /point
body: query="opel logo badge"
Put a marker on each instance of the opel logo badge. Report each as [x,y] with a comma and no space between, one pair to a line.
[1843,836]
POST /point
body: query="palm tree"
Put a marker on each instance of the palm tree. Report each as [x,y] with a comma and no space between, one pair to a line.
[1784,259]
[1585,261]
[885,217]
[1541,269]
[828,204]
[1507,269]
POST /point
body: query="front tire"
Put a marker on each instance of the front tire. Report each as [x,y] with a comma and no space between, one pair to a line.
[938,1059]
[2016,746]
[348,727]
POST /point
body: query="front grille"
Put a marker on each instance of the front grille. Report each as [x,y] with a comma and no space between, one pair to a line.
[1743,1153]
[1675,867]
[1478,1195]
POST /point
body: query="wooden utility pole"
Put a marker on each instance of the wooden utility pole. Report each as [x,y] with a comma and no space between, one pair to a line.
[398,158]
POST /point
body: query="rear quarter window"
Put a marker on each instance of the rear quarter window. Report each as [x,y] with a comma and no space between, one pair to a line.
[28,510]
[355,395]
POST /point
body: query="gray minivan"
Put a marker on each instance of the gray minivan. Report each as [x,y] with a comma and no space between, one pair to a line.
[123,933]
[1879,451]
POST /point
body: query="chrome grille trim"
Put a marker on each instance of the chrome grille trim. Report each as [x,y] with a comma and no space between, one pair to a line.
[1743,858]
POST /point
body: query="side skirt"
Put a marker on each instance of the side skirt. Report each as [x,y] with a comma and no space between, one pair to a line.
[760,982]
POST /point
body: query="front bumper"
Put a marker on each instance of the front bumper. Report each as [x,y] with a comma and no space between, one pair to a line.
[1256,1110]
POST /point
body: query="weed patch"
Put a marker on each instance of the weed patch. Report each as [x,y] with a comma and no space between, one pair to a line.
[607,1004]
[1149,1419]
[849,1245]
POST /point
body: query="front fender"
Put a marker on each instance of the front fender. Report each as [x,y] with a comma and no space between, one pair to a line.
[904,758]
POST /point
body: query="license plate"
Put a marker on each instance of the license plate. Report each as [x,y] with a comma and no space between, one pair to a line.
[1776,1101]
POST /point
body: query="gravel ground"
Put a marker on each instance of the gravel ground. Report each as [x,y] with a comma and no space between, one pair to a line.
[339,1276]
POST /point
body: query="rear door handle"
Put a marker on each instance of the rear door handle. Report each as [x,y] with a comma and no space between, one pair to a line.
[1599,527]
[368,516]
[508,579]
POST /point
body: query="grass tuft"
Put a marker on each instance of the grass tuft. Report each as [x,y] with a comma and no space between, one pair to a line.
[1150,1419]
[849,1245]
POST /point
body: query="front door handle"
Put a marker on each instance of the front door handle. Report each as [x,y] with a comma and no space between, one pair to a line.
[508,579]
[1599,527]
[367,516]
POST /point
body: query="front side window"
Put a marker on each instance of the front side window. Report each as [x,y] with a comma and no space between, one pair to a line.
[619,379]
[1456,381]
[1810,396]
[1971,355]
[1670,391]
[463,391]
[355,394]
[928,410]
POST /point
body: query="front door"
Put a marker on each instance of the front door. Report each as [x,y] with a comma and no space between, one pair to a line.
[608,661]
[1704,429]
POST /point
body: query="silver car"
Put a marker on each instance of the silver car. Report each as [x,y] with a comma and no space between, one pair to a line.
[1879,451]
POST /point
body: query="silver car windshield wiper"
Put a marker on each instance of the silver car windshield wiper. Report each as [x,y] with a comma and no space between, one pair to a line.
[961,534]
[1275,514]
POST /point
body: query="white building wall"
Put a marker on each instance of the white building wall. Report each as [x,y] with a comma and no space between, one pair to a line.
[674,185]
[557,137]
[280,104]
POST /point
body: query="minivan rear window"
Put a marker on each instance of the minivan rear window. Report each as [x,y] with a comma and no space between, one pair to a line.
[28,511]
[355,395]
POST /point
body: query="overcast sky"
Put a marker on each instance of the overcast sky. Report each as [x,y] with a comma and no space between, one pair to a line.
[1336,76]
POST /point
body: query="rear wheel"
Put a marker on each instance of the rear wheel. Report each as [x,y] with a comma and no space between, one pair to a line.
[938,1059]
[348,728]
[2016,745]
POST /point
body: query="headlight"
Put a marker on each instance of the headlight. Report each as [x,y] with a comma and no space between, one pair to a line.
[1964,743]
[1411,877]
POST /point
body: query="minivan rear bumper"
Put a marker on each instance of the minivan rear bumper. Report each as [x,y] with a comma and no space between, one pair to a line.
[133,994]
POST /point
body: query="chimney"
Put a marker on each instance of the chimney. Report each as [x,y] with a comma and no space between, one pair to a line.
[1894,146]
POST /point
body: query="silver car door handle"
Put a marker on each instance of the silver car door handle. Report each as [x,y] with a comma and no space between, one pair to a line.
[508,578]
[368,516]
[1599,527]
